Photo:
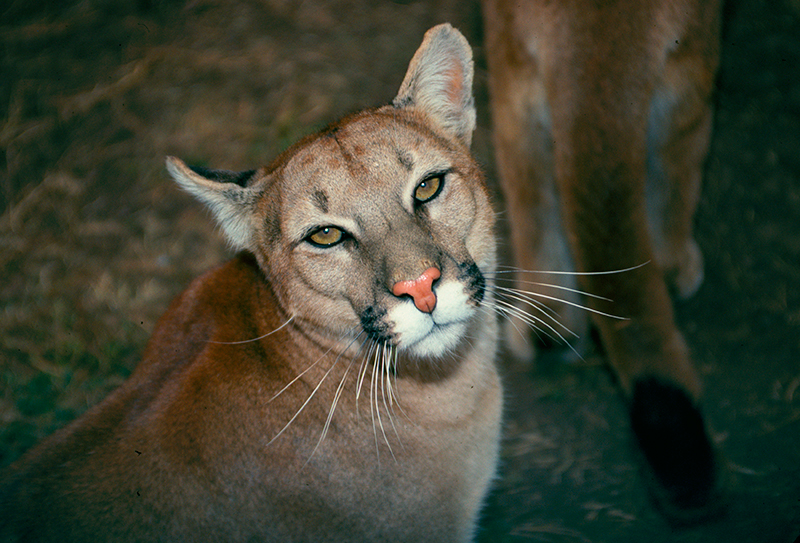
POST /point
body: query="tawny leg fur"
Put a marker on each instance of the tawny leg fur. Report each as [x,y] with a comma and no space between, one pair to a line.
[524,156]
[678,140]
[611,99]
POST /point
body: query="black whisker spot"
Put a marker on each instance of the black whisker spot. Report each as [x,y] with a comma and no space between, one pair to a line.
[474,279]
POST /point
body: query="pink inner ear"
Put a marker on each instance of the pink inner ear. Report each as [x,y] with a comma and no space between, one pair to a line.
[455,79]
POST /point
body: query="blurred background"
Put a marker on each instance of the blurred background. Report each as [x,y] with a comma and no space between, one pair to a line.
[95,239]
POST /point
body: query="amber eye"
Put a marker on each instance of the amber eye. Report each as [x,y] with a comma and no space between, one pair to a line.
[428,188]
[327,236]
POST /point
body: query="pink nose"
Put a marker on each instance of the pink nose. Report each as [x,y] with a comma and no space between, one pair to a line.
[420,289]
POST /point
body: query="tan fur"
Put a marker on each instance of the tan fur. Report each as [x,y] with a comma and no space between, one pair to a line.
[602,115]
[211,439]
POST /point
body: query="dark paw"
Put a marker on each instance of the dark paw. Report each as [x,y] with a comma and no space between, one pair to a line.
[672,436]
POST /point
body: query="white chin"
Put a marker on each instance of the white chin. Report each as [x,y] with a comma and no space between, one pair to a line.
[439,341]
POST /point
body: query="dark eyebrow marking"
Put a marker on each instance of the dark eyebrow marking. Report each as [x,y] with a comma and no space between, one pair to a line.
[321,200]
[405,159]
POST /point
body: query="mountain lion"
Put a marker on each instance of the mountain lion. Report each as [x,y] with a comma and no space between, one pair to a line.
[334,382]
[602,116]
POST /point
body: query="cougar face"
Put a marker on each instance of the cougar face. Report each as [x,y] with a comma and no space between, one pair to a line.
[380,233]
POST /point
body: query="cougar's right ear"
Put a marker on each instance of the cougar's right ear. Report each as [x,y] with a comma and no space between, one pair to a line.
[231,196]
[439,82]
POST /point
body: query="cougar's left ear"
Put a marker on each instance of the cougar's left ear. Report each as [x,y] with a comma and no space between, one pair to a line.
[232,197]
[439,82]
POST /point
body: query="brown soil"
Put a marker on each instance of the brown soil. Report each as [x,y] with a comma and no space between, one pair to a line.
[95,240]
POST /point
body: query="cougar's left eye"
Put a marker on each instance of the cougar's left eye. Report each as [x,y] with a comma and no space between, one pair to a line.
[327,236]
[429,188]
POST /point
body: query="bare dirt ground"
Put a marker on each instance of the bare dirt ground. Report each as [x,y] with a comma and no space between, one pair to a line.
[95,240]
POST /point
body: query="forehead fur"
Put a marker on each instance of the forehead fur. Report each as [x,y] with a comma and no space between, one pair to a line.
[364,150]
[360,168]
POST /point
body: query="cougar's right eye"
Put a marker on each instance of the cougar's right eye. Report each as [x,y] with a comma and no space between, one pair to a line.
[429,188]
[325,237]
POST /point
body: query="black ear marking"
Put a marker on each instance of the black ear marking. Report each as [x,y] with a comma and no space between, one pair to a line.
[402,102]
[224,176]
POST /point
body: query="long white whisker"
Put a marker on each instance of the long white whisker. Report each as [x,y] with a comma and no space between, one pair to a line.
[395,387]
[376,380]
[391,369]
[567,302]
[293,381]
[331,411]
[520,296]
[363,369]
[528,299]
[512,269]
[313,392]
[562,287]
[387,364]
[278,329]
[373,403]
[338,394]
[380,372]
[531,321]
[492,309]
